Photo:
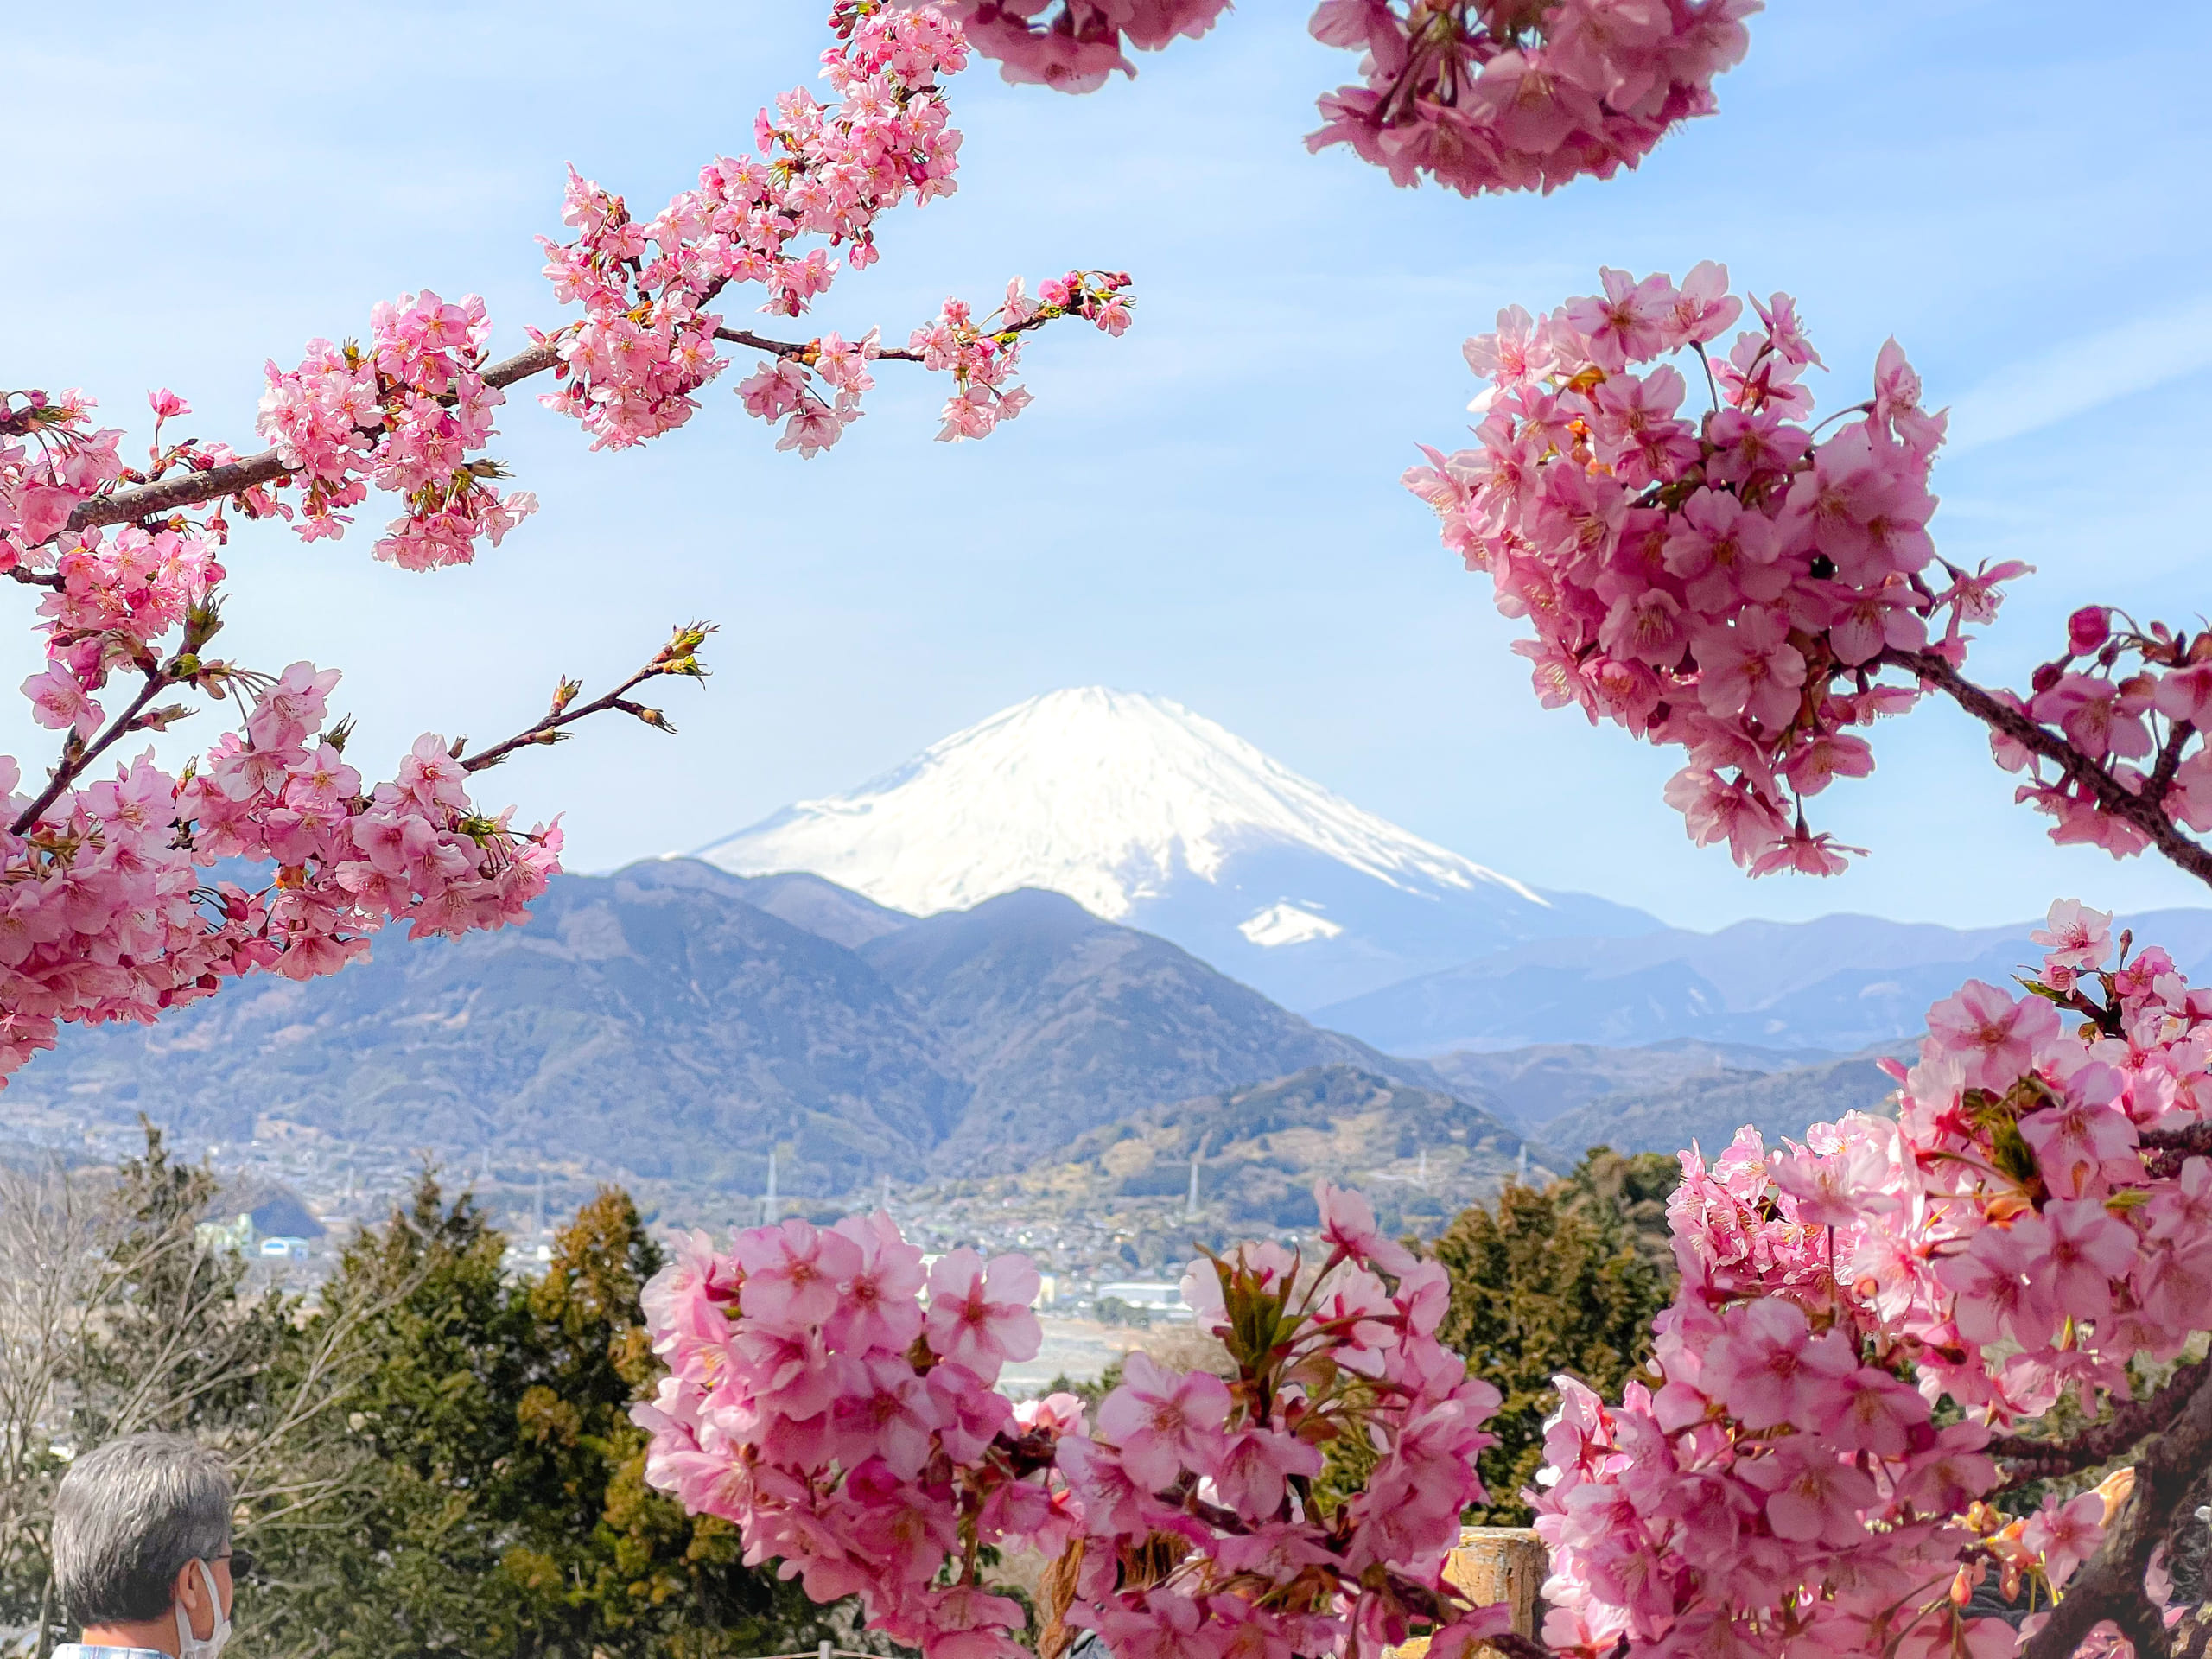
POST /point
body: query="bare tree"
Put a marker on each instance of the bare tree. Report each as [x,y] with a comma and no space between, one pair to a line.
[118,1314]
[55,1272]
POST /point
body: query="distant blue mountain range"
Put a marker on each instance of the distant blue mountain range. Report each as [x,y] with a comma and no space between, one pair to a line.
[1839,983]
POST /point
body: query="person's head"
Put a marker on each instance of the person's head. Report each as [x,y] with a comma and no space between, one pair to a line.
[142,1534]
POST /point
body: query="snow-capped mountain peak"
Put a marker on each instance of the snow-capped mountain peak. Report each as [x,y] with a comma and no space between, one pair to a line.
[1104,796]
[1147,813]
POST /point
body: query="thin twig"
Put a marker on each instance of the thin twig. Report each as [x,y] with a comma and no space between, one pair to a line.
[892,354]
[678,657]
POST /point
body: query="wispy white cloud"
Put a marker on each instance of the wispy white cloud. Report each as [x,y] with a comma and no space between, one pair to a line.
[2084,374]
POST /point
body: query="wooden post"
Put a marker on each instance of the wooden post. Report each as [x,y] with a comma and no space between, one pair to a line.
[1493,1564]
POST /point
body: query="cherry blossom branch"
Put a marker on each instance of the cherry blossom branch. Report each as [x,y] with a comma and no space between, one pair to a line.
[2028,1458]
[165,496]
[2143,810]
[2111,1586]
[679,655]
[74,762]
[894,355]
[169,495]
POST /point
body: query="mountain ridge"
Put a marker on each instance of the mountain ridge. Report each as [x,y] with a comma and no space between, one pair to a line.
[1841,984]
[659,1022]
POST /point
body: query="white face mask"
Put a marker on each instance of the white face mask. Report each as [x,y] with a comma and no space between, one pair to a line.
[189,1646]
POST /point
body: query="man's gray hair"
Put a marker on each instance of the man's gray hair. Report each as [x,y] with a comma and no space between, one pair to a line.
[129,1516]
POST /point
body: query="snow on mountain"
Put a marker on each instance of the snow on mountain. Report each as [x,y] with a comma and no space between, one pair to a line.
[1153,816]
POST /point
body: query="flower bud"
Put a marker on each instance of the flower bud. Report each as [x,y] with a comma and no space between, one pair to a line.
[2088,628]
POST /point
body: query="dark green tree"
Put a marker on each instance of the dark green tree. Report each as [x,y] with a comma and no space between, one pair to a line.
[634,1573]
[498,1503]
[1564,1280]
[405,1560]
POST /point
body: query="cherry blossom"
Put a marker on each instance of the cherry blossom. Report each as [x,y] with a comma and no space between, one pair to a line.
[1479,96]
[1729,581]
[1488,98]
[1073,46]
[1164,1423]
[402,414]
[649,341]
[1735,584]
[1777,1482]
[866,1459]
[979,1314]
[111,913]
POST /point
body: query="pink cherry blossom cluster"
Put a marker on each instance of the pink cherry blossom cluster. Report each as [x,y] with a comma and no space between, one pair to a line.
[1479,95]
[2130,706]
[1073,46]
[979,356]
[1485,95]
[839,1407]
[1724,580]
[112,601]
[403,413]
[648,342]
[1807,1467]
[837,1403]
[103,912]
[51,458]
[1223,1473]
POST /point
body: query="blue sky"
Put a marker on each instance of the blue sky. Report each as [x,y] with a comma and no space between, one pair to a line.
[1206,509]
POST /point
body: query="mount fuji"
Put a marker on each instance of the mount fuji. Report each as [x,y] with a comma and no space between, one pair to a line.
[1154,816]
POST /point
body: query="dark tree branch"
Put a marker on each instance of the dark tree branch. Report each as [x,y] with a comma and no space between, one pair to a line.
[762,343]
[2168,763]
[2111,1586]
[2171,1148]
[2028,1458]
[2144,812]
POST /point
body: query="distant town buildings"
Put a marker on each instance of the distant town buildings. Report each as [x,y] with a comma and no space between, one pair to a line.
[1151,1298]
